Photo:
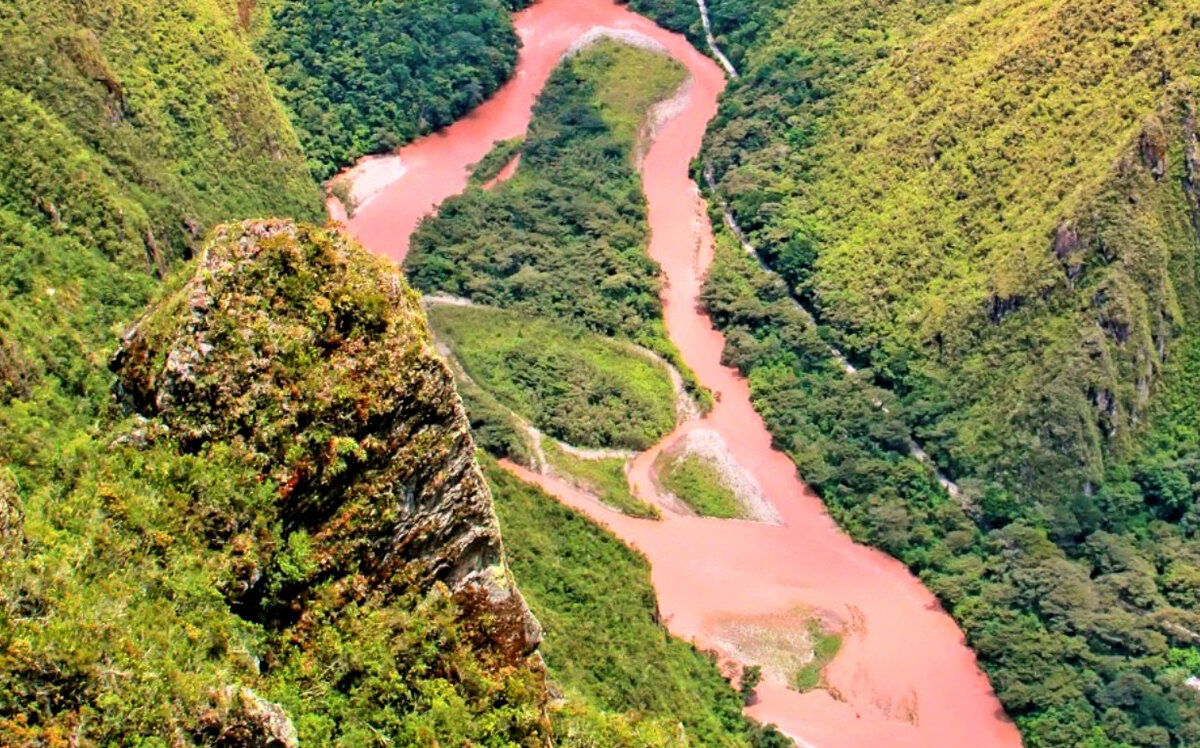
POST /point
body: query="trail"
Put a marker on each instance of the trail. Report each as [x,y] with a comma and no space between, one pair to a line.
[712,40]
[914,447]
[904,677]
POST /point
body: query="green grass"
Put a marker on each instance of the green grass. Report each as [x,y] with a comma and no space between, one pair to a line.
[825,648]
[603,642]
[605,477]
[699,484]
[574,385]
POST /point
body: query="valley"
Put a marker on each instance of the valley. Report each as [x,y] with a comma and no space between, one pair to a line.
[903,676]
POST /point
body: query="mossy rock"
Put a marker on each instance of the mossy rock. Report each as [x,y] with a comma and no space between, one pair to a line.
[313,359]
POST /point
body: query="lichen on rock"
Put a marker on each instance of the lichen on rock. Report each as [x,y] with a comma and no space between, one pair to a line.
[313,359]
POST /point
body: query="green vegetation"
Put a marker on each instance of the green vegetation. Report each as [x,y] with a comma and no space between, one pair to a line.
[126,612]
[576,386]
[699,484]
[566,236]
[626,82]
[751,677]
[605,477]
[603,642]
[367,76]
[825,647]
[495,428]
[490,166]
[1062,637]
[157,586]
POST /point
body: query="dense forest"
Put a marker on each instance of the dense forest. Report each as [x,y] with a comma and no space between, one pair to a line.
[367,76]
[573,212]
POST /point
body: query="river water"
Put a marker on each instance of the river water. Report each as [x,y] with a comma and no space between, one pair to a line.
[904,676]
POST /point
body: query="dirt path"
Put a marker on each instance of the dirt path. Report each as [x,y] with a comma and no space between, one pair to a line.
[904,676]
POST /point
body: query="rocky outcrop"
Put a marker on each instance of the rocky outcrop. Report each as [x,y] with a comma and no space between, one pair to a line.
[313,359]
[1153,147]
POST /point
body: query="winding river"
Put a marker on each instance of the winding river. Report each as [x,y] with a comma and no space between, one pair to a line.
[904,676]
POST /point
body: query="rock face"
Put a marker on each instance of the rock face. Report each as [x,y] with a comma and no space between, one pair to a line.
[312,358]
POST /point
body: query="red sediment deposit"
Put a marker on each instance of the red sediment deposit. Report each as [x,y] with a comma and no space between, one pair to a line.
[904,676]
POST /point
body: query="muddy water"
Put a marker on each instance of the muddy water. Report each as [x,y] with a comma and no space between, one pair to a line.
[904,676]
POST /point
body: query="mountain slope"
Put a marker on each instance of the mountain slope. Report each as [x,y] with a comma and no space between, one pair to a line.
[991,206]
[158,585]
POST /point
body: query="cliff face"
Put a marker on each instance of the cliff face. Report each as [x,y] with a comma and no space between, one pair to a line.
[313,360]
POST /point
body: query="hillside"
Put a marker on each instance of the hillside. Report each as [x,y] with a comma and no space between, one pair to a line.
[264,540]
[989,206]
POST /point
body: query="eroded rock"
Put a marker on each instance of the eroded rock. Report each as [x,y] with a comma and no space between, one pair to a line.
[1153,147]
[313,358]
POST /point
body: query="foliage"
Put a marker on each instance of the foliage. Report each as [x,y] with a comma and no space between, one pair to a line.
[824,648]
[751,677]
[1018,265]
[577,386]
[699,484]
[605,477]
[368,76]
[157,570]
[566,236]
[1058,635]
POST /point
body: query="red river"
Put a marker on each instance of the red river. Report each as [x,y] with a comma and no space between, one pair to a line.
[904,676]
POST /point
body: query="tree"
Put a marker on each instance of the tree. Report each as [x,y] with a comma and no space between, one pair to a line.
[751,677]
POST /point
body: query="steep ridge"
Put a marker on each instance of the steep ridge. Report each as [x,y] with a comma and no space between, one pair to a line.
[907,700]
[370,449]
[187,575]
[289,524]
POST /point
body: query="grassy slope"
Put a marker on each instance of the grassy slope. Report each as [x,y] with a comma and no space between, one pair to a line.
[956,195]
[576,386]
[603,477]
